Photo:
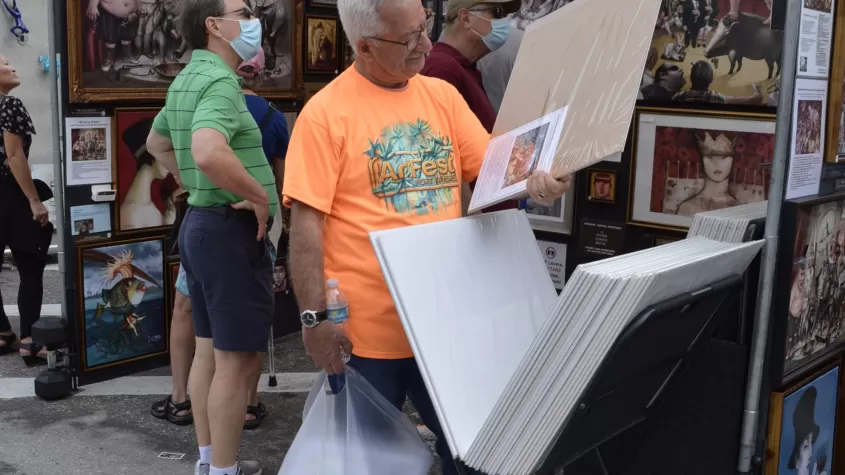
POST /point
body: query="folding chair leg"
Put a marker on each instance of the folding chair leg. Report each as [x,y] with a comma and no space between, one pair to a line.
[271,356]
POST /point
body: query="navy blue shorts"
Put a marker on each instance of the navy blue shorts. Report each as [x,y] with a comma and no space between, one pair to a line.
[230,278]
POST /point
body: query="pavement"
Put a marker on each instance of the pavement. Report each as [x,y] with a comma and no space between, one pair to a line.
[107,429]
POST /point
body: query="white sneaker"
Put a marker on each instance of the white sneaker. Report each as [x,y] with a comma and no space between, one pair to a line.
[202,468]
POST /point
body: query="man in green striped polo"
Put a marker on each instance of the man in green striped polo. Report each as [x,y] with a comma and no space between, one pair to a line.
[206,137]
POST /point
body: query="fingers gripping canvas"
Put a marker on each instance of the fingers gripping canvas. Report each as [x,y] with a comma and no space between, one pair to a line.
[594,70]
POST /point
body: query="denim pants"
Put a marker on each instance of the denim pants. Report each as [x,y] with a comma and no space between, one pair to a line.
[396,379]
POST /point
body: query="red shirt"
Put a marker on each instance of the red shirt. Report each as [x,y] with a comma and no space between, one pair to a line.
[446,63]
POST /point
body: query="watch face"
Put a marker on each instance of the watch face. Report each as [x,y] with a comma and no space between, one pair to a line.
[309,319]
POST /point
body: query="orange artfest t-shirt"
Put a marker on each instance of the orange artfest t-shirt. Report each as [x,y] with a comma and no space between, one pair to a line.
[371,159]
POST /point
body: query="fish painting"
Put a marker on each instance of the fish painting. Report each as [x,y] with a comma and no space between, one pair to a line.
[125,314]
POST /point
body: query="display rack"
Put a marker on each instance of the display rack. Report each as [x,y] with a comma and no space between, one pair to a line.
[650,355]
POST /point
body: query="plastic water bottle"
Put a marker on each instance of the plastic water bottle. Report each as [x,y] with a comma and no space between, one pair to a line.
[338,309]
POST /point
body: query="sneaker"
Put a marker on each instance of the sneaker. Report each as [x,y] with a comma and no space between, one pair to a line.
[201,468]
[249,467]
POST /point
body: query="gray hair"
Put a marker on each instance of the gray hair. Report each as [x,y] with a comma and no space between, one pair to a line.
[362,18]
[191,22]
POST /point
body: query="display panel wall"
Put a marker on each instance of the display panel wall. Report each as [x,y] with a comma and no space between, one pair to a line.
[116,93]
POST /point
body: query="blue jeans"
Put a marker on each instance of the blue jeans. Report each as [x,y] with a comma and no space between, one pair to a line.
[395,379]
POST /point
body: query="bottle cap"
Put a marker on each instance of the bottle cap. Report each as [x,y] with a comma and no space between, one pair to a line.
[332,283]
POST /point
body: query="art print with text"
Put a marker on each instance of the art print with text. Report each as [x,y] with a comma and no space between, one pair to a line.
[412,168]
[124,302]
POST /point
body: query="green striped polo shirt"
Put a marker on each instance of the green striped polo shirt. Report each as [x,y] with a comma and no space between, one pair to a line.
[207,94]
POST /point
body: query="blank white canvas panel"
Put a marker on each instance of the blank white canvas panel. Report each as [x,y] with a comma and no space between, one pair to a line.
[463,288]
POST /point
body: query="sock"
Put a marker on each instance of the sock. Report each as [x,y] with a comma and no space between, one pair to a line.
[233,470]
[205,455]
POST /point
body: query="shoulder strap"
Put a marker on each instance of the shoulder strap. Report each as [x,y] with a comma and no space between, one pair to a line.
[265,121]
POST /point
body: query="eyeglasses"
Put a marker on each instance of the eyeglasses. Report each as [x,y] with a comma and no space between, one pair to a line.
[244,13]
[411,43]
[497,12]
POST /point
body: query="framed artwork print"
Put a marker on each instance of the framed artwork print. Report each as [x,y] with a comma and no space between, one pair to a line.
[321,45]
[685,162]
[835,133]
[704,47]
[146,191]
[322,3]
[602,187]
[810,288]
[123,313]
[557,218]
[802,425]
[124,51]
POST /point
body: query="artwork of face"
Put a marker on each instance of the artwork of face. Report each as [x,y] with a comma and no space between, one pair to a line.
[699,170]
[123,302]
[602,186]
[807,434]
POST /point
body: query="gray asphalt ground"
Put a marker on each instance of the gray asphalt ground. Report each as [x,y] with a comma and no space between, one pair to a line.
[116,435]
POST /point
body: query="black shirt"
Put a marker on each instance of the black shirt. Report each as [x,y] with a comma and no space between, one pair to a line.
[14,118]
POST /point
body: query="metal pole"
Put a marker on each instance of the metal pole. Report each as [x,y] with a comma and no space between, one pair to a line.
[783,135]
[58,174]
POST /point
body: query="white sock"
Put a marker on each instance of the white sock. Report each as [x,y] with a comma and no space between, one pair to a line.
[233,470]
[205,455]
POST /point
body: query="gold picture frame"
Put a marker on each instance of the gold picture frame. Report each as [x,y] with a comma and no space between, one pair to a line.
[111,335]
[836,92]
[82,62]
[312,48]
[641,192]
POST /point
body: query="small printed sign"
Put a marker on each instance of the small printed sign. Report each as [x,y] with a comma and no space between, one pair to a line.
[170,456]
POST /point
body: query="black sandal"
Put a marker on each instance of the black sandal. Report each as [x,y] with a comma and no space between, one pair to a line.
[259,411]
[33,359]
[8,344]
[166,409]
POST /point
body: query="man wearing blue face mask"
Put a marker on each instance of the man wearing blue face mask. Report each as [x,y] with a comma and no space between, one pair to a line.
[473,29]
[206,137]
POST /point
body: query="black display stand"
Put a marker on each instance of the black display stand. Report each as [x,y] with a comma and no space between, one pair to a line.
[647,358]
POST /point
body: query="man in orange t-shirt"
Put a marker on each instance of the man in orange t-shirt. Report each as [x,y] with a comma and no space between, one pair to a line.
[380,147]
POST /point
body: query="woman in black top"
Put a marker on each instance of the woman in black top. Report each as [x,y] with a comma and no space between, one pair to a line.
[24,224]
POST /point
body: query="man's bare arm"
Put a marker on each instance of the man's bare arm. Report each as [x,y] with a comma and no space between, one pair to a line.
[161,148]
[218,162]
[306,257]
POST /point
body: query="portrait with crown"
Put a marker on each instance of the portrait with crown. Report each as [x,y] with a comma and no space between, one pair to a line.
[688,164]
[123,310]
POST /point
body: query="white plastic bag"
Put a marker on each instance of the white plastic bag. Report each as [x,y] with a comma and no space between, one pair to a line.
[355,432]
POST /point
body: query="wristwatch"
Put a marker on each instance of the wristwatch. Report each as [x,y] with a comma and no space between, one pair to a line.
[311,319]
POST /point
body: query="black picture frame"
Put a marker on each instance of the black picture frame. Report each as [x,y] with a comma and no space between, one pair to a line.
[338,51]
[111,333]
[801,344]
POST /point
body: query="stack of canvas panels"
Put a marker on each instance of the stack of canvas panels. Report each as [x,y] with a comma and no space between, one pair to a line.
[737,224]
[506,366]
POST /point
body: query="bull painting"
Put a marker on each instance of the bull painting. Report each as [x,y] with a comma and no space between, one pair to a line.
[746,37]
[709,54]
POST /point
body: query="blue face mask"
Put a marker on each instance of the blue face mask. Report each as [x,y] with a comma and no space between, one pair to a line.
[248,42]
[498,34]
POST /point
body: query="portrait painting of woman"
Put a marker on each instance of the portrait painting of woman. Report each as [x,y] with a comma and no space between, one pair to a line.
[687,165]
